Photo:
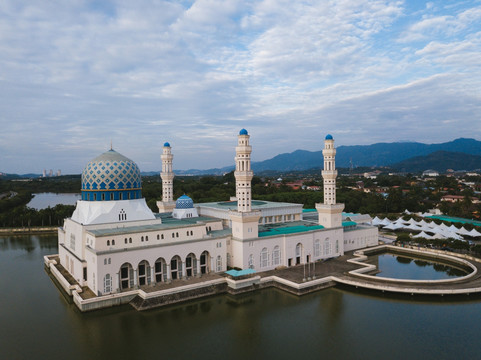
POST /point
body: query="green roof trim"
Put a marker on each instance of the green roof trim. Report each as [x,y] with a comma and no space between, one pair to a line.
[308,210]
[454,219]
[289,230]
[349,223]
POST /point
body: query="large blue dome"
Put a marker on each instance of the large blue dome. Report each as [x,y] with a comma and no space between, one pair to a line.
[111,176]
[184,202]
[166,144]
[243,132]
[328,137]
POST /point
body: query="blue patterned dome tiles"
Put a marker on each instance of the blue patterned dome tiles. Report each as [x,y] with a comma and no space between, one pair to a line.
[328,137]
[184,202]
[243,132]
[111,172]
[166,144]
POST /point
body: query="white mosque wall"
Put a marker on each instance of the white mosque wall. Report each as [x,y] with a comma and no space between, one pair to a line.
[361,237]
[109,262]
[115,211]
[330,244]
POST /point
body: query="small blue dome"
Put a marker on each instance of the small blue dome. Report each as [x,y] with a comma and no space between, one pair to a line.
[243,132]
[167,144]
[328,137]
[184,202]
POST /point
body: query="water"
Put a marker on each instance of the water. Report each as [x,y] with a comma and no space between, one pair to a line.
[44,200]
[401,267]
[38,322]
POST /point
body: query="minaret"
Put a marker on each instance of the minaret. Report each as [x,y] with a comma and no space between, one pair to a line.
[167,204]
[243,173]
[330,213]
[245,222]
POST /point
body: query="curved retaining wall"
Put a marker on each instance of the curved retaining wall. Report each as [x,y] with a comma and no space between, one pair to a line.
[359,278]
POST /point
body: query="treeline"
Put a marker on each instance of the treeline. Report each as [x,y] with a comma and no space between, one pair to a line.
[22,216]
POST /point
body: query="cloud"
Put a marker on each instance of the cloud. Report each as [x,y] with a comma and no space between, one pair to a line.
[76,75]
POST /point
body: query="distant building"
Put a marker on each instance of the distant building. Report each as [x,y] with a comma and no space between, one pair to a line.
[430,173]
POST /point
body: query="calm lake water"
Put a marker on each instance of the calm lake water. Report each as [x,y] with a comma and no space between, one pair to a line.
[401,267]
[38,322]
[44,200]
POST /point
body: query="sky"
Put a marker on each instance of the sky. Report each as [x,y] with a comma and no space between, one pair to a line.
[76,76]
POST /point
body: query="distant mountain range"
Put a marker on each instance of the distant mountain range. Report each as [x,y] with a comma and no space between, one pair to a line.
[459,154]
[449,155]
[439,161]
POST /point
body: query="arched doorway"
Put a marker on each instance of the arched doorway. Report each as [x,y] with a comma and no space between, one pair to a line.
[204,262]
[160,270]
[126,276]
[176,268]
[143,273]
[190,265]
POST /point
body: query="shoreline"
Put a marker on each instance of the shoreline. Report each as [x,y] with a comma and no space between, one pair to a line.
[47,230]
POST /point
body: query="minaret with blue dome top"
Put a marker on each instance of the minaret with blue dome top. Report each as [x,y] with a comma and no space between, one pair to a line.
[167,204]
[330,213]
[245,223]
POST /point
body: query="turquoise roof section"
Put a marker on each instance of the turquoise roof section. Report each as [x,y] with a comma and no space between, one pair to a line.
[289,230]
[454,219]
[243,132]
[349,223]
[236,273]
[308,210]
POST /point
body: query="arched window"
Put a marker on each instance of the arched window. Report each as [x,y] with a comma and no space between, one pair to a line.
[108,242]
[219,264]
[204,262]
[158,236]
[298,253]
[190,265]
[327,247]
[125,240]
[160,270]
[250,262]
[162,236]
[143,273]
[317,248]
[146,238]
[126,276]
[130,240]
[113,242]
[142,238]
[264,258]
[107,284]
[175,268]
[276,256]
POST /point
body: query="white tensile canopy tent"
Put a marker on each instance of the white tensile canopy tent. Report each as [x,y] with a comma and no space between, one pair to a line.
[385,221]
[376,221]
[422,234]
[474,233]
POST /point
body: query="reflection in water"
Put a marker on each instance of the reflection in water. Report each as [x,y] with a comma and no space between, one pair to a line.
[401,267]
[264,324]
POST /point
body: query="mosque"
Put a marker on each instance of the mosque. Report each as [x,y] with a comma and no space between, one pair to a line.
[114,243]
